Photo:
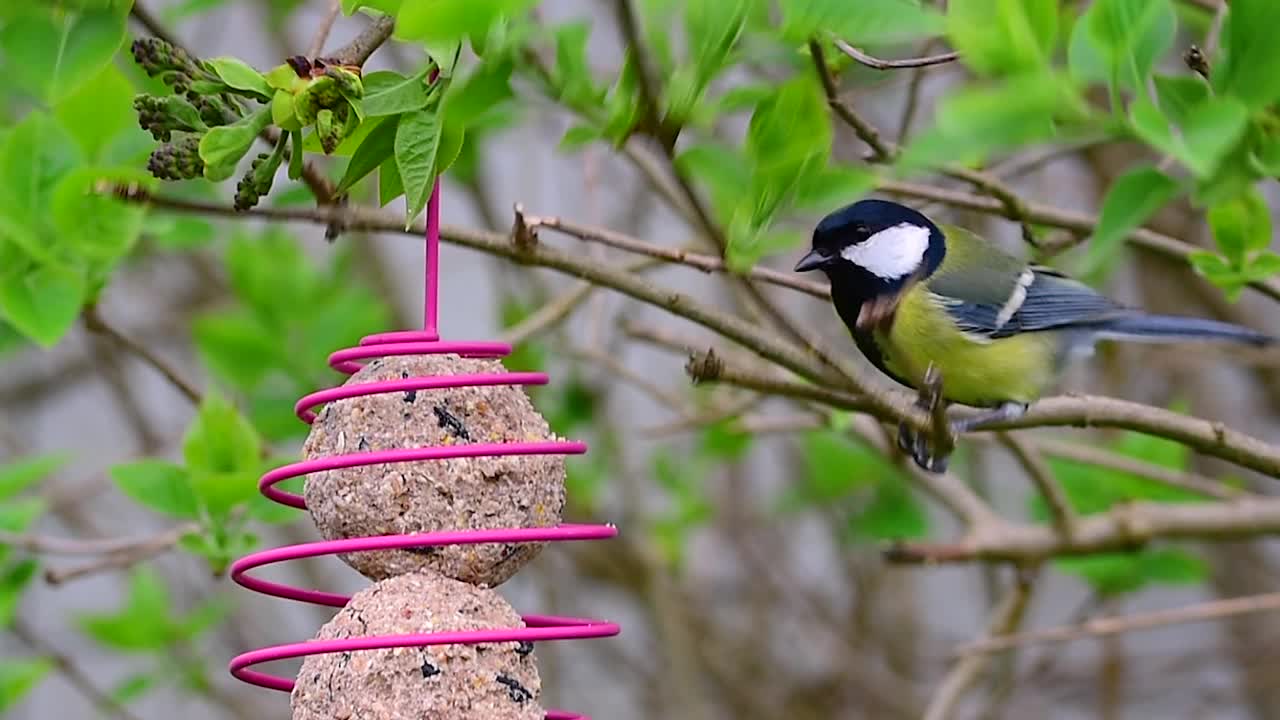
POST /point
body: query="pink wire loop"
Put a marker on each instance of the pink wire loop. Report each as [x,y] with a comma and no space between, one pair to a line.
[538,628]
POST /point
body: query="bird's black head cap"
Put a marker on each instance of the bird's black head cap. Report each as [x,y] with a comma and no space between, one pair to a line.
[878,238]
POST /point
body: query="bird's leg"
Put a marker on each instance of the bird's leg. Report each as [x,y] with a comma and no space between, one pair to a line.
[1003,413]
[930,453]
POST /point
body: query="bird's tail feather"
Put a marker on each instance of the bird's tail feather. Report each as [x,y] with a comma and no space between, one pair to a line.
[1142,327]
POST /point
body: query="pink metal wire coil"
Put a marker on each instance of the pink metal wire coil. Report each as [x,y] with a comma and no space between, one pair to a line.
[417,342]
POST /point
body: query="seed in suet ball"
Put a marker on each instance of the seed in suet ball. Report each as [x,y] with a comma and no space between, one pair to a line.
[514,491]
[495,681]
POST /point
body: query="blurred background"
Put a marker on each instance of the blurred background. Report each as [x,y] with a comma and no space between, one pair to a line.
[748,574]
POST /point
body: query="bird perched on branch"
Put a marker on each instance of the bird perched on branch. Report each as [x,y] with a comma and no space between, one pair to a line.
[997,330]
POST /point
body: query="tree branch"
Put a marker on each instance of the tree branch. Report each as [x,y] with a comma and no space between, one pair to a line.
[876,63]
[363,45]
[1107,626]
[1064,518]
[94,322]
[1122,528]
[1004,619]
[125,557]
[331,14]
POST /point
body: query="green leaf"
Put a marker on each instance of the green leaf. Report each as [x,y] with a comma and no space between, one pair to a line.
[13,582]
[894,513]
[572,73]
[389,184]
[1248,70]
[378,145]
[725,172]
[282,113]
[1119,573]
[222,147]
[97,225]
[17,515]
[51,53]
[976,122]
[835,466]
[35,156]
[713,27]
[220,439]
[41,302]
[99,111]
[486,89]
[416,142]
[1208,133]
[239,75]
[1179,95]
[452,20]
[1131,35]
[144,623]
[390,7]
[1240,226]
[159,485]
[237,347]
[832,187]
[390,93]
[22,473]
[133,687]
[1004,37]
[452,137]
[878,21]
[1132,199]
[19,677]
[577,137]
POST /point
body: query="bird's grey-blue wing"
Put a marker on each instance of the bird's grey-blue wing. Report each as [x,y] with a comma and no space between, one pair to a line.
[1040,299]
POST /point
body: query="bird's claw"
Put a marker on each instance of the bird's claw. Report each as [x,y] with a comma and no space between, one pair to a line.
[918,447]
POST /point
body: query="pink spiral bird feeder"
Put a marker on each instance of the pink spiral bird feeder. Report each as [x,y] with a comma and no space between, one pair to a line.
[425,342]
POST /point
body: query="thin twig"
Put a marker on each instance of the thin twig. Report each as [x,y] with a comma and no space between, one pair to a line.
[884,151]
[705,263]
[1107,626]
[125,558]
[47,545]
[1004,619]
[548,315]
[94,322]
[878,64]
[1064,518]
[326,25]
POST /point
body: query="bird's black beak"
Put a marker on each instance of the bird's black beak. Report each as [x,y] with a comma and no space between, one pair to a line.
[812,261]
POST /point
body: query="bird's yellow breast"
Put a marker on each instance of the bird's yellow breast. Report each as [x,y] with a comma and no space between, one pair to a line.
[975,370]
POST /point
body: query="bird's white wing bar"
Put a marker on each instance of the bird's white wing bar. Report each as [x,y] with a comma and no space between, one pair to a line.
[1016,298]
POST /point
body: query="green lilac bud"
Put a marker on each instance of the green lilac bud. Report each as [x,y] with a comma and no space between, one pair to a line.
[178,160]
[262,172]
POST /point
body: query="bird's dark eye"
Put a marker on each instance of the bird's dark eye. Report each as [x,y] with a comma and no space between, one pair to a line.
[862,229]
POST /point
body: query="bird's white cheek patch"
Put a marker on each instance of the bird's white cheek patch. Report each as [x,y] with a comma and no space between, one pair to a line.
[891,253]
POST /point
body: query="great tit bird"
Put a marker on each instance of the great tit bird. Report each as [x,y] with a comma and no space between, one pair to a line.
[999,331]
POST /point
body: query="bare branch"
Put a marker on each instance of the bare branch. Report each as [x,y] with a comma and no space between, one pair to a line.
[876,63]
[1064,518]
[1124,527]
[1103,627]
[125,557]
[1004,619]
[363,45]
[331,14]
[46,545]
[94,322]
